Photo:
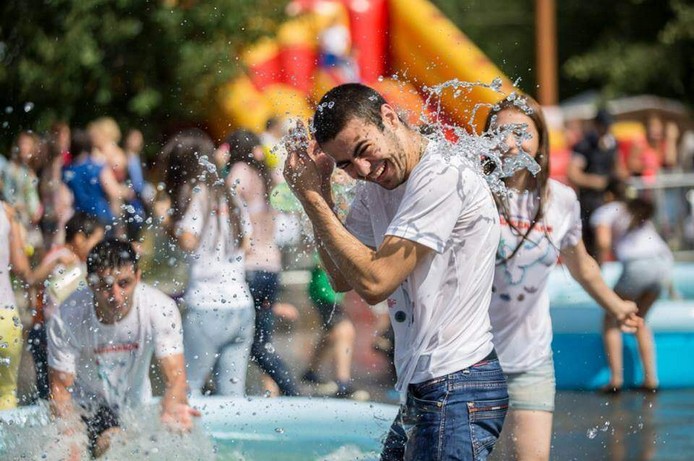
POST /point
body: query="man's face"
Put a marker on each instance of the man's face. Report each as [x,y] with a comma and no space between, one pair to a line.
[367,153]
[114,288]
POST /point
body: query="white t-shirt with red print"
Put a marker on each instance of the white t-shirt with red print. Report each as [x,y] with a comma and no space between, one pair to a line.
[519,310]
[440,312]
[111,362]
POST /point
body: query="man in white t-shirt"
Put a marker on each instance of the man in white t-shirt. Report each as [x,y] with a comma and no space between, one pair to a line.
[421,233]
[100,345]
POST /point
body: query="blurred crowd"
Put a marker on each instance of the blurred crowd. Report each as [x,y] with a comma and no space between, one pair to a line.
[205,202]
[642,154]
[70,187]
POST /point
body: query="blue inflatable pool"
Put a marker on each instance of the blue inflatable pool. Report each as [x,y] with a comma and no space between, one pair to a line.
[287,429]
[578,351]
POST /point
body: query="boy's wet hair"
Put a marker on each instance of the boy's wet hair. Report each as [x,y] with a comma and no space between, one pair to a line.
[81,223]
[344,103]
[111,254]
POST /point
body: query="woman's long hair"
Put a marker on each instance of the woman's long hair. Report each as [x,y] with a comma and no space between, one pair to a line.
[188,161]
[526,105]
[242,144]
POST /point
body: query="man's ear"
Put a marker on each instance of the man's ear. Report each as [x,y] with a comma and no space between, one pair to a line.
[389,116]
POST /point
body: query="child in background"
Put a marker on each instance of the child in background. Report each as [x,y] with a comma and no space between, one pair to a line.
[624,228]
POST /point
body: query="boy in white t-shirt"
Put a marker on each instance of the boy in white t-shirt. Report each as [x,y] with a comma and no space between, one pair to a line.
[100,345]
[422,234]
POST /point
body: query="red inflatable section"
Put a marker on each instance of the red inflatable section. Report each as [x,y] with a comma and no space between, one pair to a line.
[298,54]
[263,63]
[368,21]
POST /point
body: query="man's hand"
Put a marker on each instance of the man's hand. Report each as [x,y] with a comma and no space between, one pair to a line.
[307,169]
[626,314]
[178,417]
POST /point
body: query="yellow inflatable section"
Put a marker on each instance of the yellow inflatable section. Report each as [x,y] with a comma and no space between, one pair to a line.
[427,48]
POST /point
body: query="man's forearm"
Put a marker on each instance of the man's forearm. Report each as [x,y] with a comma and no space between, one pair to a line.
[352,261]
[339,283]
[176,391]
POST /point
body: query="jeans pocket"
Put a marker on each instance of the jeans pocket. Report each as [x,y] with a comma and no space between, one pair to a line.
[486,418]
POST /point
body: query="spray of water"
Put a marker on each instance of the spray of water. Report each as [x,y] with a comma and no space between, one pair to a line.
[487,152]
[37,436]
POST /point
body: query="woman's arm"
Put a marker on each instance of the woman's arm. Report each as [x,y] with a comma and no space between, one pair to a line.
[18,258]
[585,270]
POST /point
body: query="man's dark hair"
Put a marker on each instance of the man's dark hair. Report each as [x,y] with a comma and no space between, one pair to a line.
[81,223]
[344,103]
[111,254]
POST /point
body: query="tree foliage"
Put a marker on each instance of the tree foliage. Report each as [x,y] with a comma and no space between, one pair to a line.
[649,49]
[621,47]
[151,63]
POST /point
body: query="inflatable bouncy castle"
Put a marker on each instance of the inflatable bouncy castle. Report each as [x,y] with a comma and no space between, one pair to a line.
[399,47]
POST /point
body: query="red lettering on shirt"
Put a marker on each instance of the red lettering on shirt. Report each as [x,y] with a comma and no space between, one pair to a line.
[524,224]
[126,347]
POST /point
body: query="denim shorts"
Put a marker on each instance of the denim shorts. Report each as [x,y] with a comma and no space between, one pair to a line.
[455,417]
[533,389]
[642,275]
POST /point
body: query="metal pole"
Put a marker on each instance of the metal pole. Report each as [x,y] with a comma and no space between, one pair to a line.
[546,51]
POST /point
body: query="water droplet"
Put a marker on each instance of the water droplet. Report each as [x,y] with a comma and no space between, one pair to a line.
[28,106]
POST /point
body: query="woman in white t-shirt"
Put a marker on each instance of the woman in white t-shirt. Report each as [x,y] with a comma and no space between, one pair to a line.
[624,227]
[210,226]
[540,221]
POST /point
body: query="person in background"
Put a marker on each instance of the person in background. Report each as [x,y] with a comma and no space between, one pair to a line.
[135,213]
[593,163]
[14,261]
[274,154]
[253,182]
[336,340]
[540,222]
[67,265]
[96,191]
[101,342]
[56,197]
[21,187]
[623,227]
[105,135]
[212,227]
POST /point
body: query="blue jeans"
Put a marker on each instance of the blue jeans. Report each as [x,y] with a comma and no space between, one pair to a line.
[455,417]
[264,287]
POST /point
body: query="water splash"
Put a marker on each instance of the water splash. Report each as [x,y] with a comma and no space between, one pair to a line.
[488,150]
[36,436]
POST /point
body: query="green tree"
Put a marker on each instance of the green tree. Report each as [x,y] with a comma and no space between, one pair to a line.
[152,64]
[648,47]
[621,47]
